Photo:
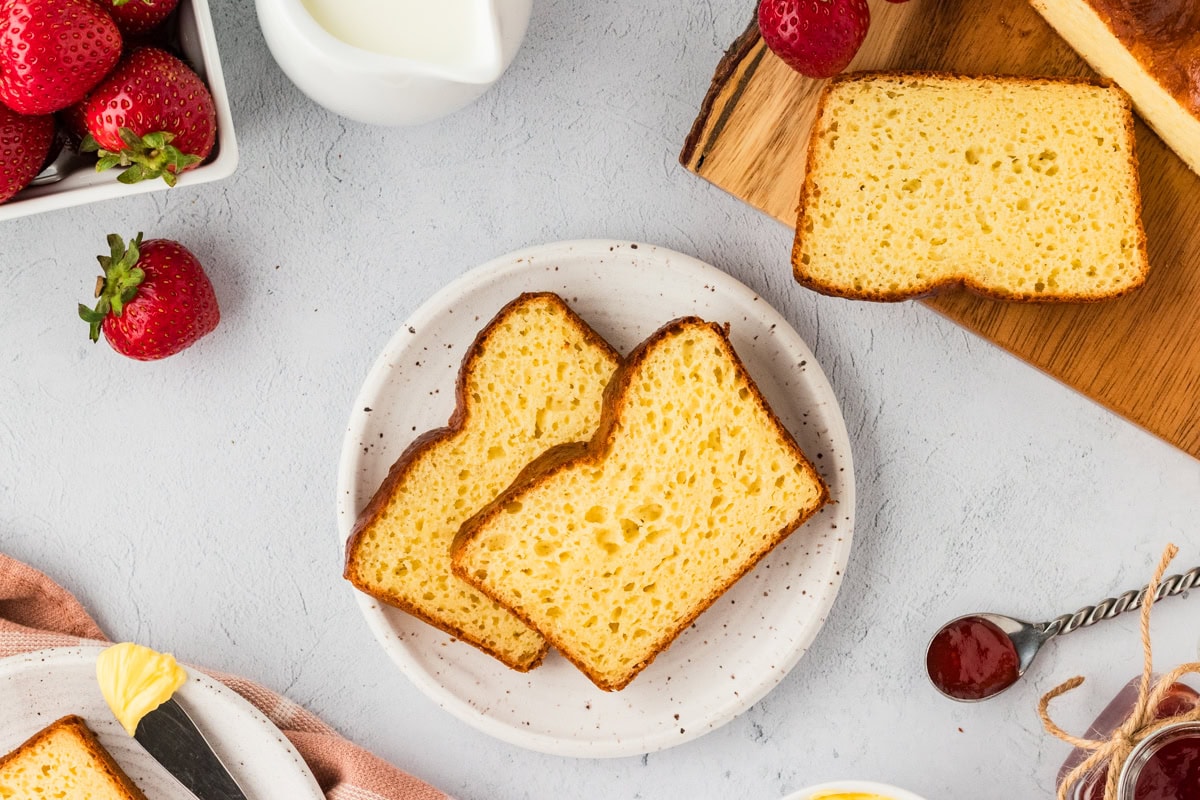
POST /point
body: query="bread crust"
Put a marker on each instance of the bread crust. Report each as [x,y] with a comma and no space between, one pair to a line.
[1162,38]
[90,743]
[403,465]
[594,451]
[965,282]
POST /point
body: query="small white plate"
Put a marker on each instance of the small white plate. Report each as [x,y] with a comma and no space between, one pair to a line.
[740,648]
[38,688]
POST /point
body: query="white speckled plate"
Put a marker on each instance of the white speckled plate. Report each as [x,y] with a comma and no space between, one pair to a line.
[740,648]
[38,688]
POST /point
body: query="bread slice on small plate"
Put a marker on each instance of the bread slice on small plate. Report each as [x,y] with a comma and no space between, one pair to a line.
[610,548]
[533,378]
[64,759]
[1015,188]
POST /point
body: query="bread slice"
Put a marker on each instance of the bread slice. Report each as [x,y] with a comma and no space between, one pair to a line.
[1150,52]
[610,548]
[533,378]
[65,760]
[1016,188]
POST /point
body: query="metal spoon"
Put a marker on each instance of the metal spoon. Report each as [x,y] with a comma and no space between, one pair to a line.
[1028,637]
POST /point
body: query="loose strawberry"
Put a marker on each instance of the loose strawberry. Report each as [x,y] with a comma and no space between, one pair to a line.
[153,116]
[817,38]
[155,299]
[24,145]
[52,52]
[135,17]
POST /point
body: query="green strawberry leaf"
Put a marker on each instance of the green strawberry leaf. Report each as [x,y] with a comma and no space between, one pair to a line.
[89,315]
[148,157]
[134,174]
[116,247]
[94,319]
[157,141]
[89,144]
[107,162]
[130,138]
[119,285]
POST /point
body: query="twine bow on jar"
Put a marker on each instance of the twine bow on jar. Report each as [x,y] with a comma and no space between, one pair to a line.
[1142,721]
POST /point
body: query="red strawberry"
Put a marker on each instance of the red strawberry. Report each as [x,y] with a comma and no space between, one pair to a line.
[135,17]
[152,115]
[24,144]
[155,299]
[817,38]
[73,120]
[52,52]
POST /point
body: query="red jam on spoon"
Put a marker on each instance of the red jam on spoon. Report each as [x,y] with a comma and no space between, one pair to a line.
[971,658]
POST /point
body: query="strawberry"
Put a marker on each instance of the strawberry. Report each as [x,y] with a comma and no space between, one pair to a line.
[153,116]
[52,52]
[155,299]
[817,38]
[24,145]
[73,121]
[135,17]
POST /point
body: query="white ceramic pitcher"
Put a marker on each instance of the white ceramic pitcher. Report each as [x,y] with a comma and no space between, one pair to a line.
[396,87]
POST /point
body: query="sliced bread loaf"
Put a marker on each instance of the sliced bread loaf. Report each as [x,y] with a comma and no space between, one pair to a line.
[1152,51]
[533,378]
[1016,188]
[610,548]
[64,760]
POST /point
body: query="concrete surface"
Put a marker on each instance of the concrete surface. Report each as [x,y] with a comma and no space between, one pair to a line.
[190,503]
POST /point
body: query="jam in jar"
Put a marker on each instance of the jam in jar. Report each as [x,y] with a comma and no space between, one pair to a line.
[1164,766]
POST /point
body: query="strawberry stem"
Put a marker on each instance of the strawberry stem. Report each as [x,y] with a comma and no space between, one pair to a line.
[117,286]
[143,157]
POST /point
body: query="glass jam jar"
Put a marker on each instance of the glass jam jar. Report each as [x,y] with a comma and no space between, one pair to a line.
[1165,766]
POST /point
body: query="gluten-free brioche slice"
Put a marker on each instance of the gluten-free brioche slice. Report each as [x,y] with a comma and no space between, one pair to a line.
[610,548]
[1017,188]
[64,760]
[533,378]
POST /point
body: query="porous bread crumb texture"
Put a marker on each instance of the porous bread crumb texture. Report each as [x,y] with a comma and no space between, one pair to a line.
[1017,188]
[689,482]
[534,378]
[64,761]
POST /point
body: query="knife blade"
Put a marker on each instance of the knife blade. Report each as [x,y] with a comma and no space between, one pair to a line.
[169,734]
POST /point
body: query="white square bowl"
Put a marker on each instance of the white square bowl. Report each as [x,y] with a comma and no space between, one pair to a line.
[83,184]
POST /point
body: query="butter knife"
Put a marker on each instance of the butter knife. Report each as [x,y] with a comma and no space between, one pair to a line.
[169,735]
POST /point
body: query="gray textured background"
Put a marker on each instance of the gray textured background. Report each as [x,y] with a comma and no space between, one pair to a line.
[190,503]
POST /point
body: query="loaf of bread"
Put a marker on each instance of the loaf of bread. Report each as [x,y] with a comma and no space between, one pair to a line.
[64,760]
[533,378]
[610,548]
[1152,50]
[1016,188]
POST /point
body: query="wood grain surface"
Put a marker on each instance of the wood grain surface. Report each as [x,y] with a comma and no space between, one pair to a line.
[1139,355]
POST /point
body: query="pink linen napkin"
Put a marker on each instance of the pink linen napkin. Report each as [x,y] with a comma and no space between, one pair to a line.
[37,613]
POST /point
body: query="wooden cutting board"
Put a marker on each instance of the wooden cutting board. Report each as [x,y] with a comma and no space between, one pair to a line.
[1139,355]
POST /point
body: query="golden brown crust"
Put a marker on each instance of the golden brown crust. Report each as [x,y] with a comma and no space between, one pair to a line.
[595,451]
[400,470]
[1163,37]
[90,743]
[962,282]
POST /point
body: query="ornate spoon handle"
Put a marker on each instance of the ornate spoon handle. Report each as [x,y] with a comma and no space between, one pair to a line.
[1107,609]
